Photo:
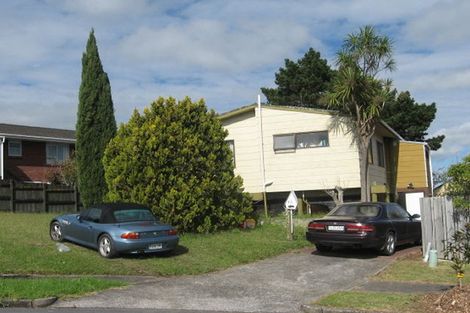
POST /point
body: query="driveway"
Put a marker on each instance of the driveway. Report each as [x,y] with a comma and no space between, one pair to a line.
[279,284]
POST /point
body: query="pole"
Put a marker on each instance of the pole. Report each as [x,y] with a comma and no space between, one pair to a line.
[263,170]
[2,140]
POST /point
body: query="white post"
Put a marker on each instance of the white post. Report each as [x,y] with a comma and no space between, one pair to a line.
[263,170]
[2,140]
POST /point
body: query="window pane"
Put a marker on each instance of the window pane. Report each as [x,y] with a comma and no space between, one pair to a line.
[284,142]
[312,140]
[14,148]
[231,145]
[51,154]
[380,154]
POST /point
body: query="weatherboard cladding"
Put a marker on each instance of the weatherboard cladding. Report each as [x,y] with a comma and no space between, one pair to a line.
[36,132]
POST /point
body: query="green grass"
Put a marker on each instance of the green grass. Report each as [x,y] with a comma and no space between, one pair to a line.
[414,269]
[394,302]
[34,288]
[25,248]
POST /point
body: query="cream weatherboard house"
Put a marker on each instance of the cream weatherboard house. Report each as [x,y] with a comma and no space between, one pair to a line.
[292,148]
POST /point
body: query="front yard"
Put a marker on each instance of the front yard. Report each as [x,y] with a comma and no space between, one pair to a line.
[26,248]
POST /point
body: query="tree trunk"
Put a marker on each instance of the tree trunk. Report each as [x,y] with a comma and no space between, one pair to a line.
[364,170]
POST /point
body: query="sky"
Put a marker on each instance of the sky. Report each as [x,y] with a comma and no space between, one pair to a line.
[224,52]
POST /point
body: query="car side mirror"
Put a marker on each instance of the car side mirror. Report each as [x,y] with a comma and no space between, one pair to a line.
[415,216]
[79,218]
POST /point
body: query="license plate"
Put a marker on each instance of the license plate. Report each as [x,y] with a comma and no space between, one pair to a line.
[155,246]
[336,228]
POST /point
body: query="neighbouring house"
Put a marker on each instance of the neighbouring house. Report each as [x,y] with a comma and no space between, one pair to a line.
[414,175]
[302,152]
[28,153]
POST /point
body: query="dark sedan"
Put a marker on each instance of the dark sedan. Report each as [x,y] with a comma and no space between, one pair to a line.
[115,228]
[365,225]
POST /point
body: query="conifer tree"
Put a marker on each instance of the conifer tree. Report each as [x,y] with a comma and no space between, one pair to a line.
[96,125]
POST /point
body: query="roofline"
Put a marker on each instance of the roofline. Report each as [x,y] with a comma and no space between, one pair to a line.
[251,107]
[424,143]
[38,138]
[390,129]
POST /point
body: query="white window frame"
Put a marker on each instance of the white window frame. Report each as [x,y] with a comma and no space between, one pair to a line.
[56,157]
[10,154]
[295,141]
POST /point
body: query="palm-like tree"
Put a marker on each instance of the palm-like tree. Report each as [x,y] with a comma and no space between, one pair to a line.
[358,93]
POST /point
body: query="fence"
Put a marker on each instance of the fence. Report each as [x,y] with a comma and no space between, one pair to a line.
[38,198]
[439,221]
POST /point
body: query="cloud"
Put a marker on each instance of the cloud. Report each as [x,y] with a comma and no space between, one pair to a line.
[456,145]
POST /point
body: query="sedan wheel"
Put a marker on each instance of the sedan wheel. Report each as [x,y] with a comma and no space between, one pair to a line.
[56,232]
[105,247]
[389,245]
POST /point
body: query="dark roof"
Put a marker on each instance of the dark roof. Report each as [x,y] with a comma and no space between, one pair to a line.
[21,131]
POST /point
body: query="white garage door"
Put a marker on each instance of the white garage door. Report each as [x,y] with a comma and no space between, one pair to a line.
[412,202]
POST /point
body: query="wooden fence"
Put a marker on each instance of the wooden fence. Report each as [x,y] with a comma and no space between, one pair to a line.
[439,221]
[38,198]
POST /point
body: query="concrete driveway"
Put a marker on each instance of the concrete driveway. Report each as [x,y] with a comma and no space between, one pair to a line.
[280,284]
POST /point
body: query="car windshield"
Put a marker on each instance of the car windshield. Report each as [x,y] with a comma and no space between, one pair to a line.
[366,210]
[134,215]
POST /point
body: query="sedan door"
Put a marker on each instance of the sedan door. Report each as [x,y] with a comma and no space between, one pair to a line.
[400,220]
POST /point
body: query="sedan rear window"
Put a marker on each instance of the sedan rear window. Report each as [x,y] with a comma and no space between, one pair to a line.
[366,210]
[134,215]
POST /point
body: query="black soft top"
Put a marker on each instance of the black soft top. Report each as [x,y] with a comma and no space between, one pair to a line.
[107,210]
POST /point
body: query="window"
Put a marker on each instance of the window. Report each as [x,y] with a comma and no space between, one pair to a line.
[56,153]
[311,140]
[395,211]
[356,210]
[380,154]
[284,142]
[231,145]
[301,140]
[15,148]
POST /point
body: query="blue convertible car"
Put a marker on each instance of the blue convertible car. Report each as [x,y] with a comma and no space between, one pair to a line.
[115,228]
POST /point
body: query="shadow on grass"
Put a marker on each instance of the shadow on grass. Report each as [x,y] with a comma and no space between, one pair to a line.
[355,253]
[179,250]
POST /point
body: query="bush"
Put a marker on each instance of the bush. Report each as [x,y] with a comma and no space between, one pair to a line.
[64,173]
[174,159]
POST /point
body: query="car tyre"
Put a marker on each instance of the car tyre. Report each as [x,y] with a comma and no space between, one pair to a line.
[322,248]
[56,232]
[390,244]
[106,247]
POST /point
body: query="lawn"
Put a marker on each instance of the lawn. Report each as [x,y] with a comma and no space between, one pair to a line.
[34,288]
[25,248]
[413,269]
[409,269]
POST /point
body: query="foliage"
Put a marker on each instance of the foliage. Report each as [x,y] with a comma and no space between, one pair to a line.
[459,185]
[457,250]
[96,125]
[357,94]
[174,159]
[301,83]
[411,119]
[64,173]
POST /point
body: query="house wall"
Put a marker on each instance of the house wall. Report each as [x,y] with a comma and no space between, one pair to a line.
[411,166]
[31,166]
[301,169]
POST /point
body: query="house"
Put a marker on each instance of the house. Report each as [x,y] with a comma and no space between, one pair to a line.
[299,150]
[414,174]
[28,153]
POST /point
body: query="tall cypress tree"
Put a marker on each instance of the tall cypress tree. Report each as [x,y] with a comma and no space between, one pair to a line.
[96,125]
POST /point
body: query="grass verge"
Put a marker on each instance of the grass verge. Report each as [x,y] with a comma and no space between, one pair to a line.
[34,288]
[26,248]
[394,302]
[413,269]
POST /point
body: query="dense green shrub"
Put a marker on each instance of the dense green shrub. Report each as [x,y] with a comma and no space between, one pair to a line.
[174,158]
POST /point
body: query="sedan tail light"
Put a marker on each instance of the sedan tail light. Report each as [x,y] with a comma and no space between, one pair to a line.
[359,228]
[172,232]
[131,235]
[316,226]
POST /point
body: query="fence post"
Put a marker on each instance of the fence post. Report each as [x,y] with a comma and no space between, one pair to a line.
[44,198]
[76,198]
[12,195]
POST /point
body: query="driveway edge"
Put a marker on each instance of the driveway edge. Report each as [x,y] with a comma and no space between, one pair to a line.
[323,309]
[27,303]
